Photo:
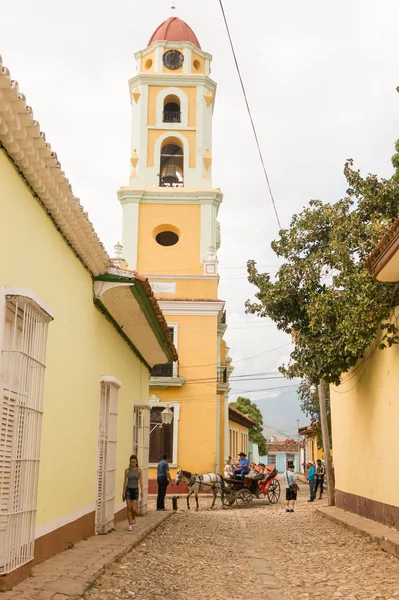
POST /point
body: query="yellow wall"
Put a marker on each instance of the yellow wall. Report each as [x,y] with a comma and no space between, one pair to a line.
[146,67]
[82,347]
[365,417]
[191,288]
[184,257]
[199,64]
[241,429]
[197,425]
[154,90]
[312,451]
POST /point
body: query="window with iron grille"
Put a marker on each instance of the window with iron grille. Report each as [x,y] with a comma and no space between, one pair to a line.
[271,459]
[169,369]
[23,364]
[161,438]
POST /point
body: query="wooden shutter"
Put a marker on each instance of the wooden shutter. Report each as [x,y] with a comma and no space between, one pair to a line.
[161,438]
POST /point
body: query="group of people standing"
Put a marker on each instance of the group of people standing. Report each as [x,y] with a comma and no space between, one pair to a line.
[315,476]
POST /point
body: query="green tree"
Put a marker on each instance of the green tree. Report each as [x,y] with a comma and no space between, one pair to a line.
[323,294]
[249,408]
[395,160]
[311,408]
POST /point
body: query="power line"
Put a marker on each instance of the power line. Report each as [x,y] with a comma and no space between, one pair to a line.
[238,360]
[250,114]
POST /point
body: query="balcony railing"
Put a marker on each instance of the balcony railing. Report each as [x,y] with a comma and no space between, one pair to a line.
[222,375]
[162,370]
[171,116]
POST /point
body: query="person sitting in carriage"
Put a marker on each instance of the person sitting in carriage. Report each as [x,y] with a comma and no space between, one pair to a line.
[243,467]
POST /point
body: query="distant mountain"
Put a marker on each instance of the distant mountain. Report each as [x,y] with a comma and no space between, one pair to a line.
[269,432]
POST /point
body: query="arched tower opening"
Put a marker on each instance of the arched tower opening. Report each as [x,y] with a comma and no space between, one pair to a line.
[171,109]
[171,171]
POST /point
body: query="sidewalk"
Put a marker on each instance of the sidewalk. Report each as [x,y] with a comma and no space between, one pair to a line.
[386,538]
[69,574]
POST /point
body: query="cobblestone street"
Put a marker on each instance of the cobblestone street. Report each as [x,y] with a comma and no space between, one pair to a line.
[261,552]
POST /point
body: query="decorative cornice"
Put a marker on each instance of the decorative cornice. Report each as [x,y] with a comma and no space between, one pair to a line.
[166,44]
[168,80]
[201,308]
[157,195]
[27,148]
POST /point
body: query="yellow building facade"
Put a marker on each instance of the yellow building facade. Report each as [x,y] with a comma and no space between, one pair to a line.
[171,235]
[365,415]
[239,427]
[78,337]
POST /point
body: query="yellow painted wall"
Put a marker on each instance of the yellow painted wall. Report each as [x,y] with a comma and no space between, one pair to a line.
[223,352]
[197,426]
[312,451]
[154,134]
[145,63]
[191,288]
[154,90]
[82,347]
[197,64]
[365,417]
[241,429]
[184,257]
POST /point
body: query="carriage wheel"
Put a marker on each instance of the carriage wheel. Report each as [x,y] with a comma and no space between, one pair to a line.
[228,498]
[274,492]
[244,498]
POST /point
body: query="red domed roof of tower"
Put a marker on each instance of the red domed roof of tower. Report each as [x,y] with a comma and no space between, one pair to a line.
[174,30]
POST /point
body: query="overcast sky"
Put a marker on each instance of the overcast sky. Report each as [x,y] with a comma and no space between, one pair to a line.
[320,80]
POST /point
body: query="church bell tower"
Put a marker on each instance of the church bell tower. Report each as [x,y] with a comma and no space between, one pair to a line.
[171,234]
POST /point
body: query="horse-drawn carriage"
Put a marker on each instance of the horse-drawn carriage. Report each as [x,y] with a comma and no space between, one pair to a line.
[242,492]
[232,491]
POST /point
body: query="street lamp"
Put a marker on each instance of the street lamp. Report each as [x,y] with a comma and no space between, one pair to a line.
[166,418]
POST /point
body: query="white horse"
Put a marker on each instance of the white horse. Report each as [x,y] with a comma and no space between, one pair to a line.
[197,483]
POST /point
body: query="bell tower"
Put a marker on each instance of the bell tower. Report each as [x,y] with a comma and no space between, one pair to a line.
[170,229]
[172,99]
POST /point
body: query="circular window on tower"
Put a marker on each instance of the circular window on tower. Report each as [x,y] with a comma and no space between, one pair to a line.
[166,235]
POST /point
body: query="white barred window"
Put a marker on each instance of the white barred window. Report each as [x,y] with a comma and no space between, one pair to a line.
[23,328]
[106,457]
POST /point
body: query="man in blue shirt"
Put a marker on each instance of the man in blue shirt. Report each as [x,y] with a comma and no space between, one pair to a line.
[163,479]
[243,466]
[312,480]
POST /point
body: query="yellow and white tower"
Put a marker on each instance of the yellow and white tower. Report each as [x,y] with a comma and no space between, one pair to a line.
[171,235]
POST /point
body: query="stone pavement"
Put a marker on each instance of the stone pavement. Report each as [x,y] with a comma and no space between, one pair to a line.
[387,538]
[67,575]
[258,552]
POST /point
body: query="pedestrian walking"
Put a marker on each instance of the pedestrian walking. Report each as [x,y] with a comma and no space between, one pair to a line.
[320,473]
[311,480]
[130,492]
[291,488]
[163,479]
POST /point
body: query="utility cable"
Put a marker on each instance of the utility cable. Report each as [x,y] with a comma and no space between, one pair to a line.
[249,113]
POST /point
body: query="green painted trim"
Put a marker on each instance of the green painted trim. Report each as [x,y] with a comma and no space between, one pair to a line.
[138,292]
[110,318]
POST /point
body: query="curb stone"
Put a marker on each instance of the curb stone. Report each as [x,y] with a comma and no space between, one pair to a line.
[385,537]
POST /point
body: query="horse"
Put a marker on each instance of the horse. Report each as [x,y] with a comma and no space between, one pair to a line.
[197,482]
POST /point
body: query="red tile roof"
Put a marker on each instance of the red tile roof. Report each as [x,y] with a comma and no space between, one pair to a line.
[174,30]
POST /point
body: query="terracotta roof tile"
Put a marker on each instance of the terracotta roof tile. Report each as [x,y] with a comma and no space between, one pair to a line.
[27,147]
[385,249]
